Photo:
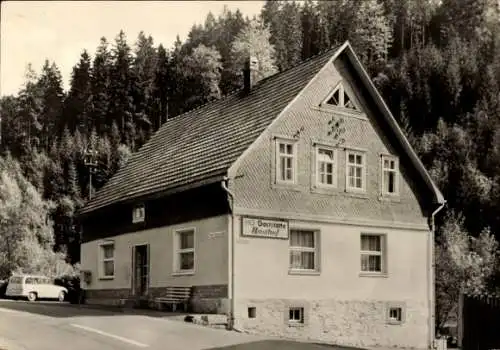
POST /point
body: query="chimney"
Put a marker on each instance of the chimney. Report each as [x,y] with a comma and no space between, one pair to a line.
[249,70]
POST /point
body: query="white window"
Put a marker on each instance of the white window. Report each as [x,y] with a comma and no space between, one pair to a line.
[107,259]
[390,178]
[355,171]
[303,250]
[326,167]
[340,98]
[286,161]
[395,313]
[138,213]
[296,315]
[372,253]
[185,250]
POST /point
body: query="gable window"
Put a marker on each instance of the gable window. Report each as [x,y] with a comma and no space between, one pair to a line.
[107,259]
[286,161]
[355,171]
[340,98]
[326,168]
[185,253]
[303,250]
[390,176]
[372,253]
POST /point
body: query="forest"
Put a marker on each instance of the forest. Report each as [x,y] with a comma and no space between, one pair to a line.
[436,63]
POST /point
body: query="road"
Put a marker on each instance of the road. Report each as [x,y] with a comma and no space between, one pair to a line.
[56,326]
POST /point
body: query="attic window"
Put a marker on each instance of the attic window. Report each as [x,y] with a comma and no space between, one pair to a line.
[340,98]
[138,213]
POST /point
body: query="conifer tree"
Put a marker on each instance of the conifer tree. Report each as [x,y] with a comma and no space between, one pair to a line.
[100,85]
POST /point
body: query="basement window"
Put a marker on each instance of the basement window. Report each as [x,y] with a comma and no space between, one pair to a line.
[252,312]
[296,315]
[395,314]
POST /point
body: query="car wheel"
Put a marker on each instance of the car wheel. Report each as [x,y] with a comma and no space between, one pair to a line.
[32,296]
[62,296]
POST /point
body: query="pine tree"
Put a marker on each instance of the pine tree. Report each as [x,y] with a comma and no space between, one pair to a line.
[52,96]
[161,89]
[291,35]
[100,84]
[121,106]
[271,16]
[77,106]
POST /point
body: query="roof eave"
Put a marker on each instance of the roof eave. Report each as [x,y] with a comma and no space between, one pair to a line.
[438,196]
[214,178]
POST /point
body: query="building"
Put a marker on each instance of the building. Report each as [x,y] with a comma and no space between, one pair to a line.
[296,206]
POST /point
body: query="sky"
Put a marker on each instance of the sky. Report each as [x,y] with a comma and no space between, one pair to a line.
[33,31]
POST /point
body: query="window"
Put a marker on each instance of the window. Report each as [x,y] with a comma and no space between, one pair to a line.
[341,98]
[285,162]
[372,255]
[296,315]
[138,214]
[185,250]
[107,260]
[395,314]
[389,175]
[326,167]
[252,312]
[303,250]
[355,171]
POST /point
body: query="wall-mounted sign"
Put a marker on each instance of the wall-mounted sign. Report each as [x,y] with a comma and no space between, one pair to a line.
[267,228]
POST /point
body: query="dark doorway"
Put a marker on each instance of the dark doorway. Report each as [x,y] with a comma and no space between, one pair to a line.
[141,269]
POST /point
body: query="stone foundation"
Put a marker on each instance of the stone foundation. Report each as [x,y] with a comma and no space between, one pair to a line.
[350,323]
[208,299]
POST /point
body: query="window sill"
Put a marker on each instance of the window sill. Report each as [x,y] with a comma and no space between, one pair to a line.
[389,198]
[296,324]
[304,272]
[373,274]
[325,189]
[183,273]
[394,323]
[342,111]
[286,186]
[104,278]
[356,193]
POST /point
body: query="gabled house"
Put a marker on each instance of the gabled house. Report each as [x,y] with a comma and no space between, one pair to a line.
[296,206]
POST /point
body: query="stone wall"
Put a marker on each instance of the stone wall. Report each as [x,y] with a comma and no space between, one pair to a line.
[208,299]
[349,323]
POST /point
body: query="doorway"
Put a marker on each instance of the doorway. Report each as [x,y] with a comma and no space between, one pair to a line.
[141,270]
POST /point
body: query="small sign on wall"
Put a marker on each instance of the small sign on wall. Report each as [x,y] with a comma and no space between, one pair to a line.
[265,228]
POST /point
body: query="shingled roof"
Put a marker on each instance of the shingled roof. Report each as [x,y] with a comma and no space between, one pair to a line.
[199,146]
[203,143]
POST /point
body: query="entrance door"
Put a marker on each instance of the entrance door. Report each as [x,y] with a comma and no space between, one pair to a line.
[141,269]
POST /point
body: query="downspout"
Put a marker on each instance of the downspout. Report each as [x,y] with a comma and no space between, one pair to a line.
[230,323]
[432,291]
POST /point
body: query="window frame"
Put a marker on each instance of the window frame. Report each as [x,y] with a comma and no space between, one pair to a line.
[382,254]
[316,250]
[103,260]
[277,160]
[317,182]
[354,152]
[392,306]
[178,251]
[341,106]
[292,321]
[397,175]
[138,208]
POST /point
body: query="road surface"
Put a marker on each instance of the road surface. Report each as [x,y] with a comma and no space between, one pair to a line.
[56,326]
